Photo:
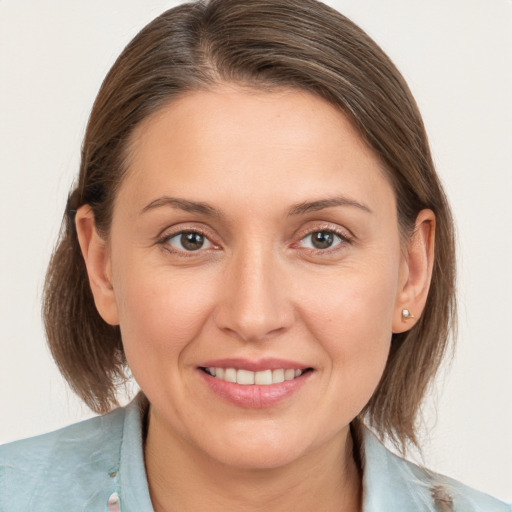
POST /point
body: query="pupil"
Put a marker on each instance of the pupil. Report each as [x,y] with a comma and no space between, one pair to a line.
[322,239]
[192,241]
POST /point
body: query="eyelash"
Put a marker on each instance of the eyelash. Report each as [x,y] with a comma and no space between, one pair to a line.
[164,242]
[343,239]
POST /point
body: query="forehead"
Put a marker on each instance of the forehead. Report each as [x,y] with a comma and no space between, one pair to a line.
[286,142]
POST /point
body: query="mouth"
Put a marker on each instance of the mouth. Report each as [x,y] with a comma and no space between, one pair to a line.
[259,378]
[255,384]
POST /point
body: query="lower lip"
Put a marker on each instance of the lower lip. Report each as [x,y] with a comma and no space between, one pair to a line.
[253,396]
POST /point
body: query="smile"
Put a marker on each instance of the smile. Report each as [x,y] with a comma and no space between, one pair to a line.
[255,384]
[260,378]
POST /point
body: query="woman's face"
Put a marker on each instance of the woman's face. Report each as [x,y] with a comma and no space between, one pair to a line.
[255,234]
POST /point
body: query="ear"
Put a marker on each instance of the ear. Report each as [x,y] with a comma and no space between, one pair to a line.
[416,273]
[97,261]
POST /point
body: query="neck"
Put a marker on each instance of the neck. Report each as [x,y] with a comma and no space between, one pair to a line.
[182,478]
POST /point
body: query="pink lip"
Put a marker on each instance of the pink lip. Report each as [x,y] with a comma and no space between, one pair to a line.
[255,366]
[254,396]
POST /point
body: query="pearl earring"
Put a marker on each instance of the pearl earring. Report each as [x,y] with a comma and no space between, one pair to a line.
[406,314]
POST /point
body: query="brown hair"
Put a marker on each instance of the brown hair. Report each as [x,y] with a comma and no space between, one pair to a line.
[265,44]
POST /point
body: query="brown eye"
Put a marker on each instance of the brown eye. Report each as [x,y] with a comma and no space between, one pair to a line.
[188,241]
[192,241]
[321,240]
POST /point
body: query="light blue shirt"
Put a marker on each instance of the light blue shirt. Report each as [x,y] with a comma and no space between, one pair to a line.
[98,465]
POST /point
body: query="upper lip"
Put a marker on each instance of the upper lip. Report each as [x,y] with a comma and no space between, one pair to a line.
[269,363]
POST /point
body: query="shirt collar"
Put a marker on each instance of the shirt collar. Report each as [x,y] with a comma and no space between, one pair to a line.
[387,478]
[133,484]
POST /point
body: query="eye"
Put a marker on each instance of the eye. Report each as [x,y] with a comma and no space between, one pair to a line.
[188,241]
[321,240]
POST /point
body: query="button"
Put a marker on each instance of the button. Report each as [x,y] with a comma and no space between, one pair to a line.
[113,504]
[442,500]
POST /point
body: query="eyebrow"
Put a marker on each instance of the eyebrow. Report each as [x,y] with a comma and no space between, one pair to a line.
[297,209]
[314,206]
[183,204]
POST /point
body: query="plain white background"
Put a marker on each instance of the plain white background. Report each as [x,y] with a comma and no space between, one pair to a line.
[456,56]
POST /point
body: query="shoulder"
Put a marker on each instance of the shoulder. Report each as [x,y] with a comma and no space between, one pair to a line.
[400,485]
[72,463]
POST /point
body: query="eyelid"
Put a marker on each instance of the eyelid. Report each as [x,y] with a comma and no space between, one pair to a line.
[169,232]
[184,227]
[166,234]
[345,235]
[178,236]
[342,232]
[340,240]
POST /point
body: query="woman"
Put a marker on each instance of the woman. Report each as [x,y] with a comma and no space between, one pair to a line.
[258,232]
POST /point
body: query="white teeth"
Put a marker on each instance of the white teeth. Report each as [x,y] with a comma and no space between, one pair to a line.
[277,376]
[289,374]
[244,377]
[230,375]
[261,378]
[264,378]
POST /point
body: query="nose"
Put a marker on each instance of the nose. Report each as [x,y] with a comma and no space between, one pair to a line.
[254,303]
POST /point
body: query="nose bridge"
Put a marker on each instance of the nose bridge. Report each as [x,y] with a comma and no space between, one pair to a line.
[255,304]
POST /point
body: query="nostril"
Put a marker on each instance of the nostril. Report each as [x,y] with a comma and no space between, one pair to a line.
[254,312]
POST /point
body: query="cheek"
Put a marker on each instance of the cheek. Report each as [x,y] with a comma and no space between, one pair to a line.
[353,301]
[351,314]
[160,314]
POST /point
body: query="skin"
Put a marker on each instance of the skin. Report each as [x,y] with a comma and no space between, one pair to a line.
[258,288]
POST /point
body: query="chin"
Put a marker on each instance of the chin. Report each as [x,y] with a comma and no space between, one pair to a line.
[258,457]
[258,446]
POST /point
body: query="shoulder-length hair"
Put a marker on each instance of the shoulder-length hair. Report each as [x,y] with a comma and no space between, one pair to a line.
[266,44]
